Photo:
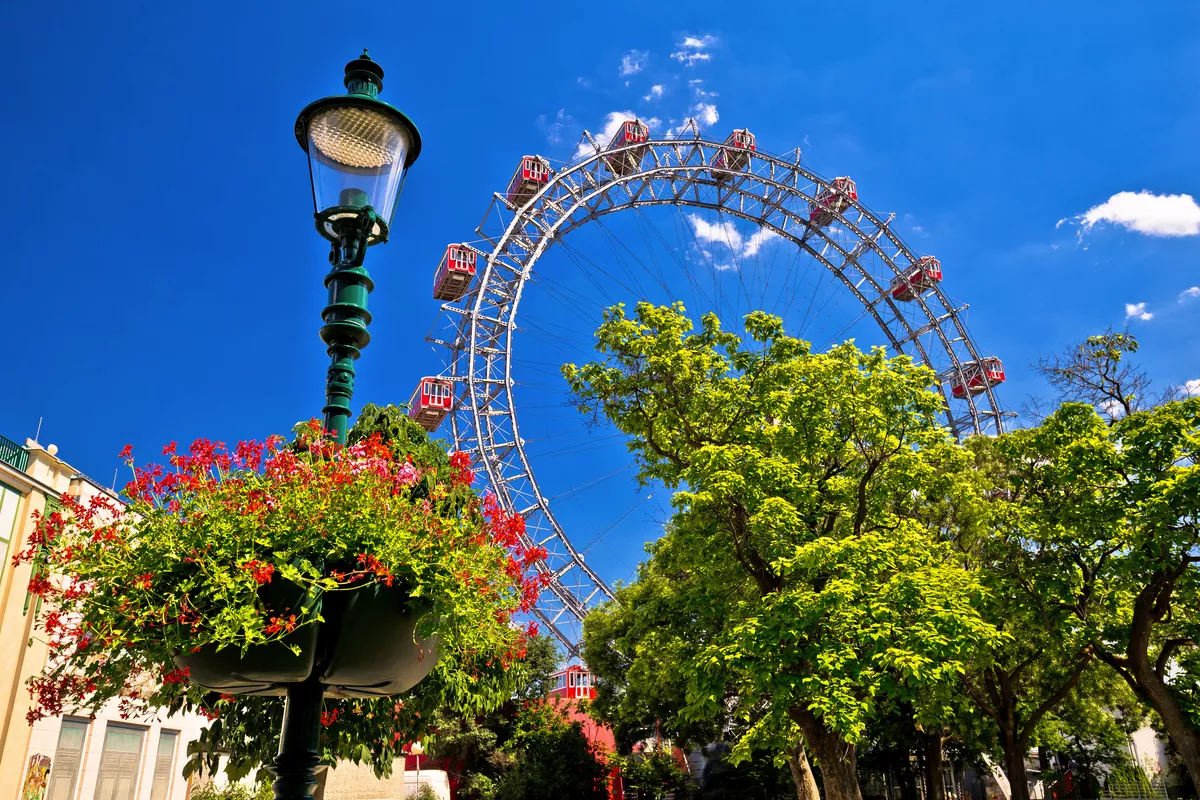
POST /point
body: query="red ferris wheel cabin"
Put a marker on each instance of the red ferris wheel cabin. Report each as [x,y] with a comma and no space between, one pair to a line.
[977,376]
[530,177]
[574,683]
[922,277]
[454,274]
[735,154]
[431,402]
[832,199]
[631,133]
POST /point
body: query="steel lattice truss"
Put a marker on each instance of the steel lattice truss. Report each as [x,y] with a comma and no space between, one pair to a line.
[858,247]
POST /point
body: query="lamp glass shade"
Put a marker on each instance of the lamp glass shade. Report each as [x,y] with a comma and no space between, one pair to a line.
[358,155]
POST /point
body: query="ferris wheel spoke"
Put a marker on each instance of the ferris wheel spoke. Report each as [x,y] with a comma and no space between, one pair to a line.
[584,487]
[609,240]
[680,258]
[632,507]
[573,302]
[581,447]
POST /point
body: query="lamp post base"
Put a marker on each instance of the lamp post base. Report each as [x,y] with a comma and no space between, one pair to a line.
[299,742]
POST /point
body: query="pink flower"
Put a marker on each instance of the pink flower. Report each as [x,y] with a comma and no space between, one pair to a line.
[406,476]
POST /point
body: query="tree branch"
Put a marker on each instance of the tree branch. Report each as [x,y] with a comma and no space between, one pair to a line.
[1164,655]
[1056,698]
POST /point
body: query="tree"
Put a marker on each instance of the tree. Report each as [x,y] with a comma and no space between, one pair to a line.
[1037,593]
[552,759]
[653,774]
[476,751]
[789,469]
[639,647]
[1097,372]
[1128,492]
[1147,500]
[1090,730]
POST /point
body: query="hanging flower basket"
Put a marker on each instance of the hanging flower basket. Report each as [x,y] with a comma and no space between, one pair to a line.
[215,582]
[263,669]
[367,647]
[378,652]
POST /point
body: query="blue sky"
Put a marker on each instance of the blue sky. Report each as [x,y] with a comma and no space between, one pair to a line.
[164,280]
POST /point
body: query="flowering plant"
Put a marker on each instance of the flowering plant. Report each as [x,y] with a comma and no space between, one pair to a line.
[197,560]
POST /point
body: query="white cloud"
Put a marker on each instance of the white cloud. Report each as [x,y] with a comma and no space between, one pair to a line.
[553,131]
[1144,212]
[1189,294]
[1137,311]
[725,233]
[689,58]
[1192,387]
[633,62]
[757,240]
[1113,408]
[656,91]
[706,113]
[692,49]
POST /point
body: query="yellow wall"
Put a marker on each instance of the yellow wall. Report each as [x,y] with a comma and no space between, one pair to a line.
[17,660]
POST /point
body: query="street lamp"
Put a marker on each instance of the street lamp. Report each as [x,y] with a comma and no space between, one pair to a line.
[359,149]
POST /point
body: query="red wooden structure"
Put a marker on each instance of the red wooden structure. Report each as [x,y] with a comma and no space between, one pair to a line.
[832,199]
[977,376]
[431,403]
[454,274]
[531,176]
[631,132]
[571,685]
[922,277]
[734,156]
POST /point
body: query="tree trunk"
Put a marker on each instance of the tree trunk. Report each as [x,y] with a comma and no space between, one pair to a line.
[1150,606]
[802,776]
[1014,763]
[837,758]
[931,745]
[1156,692]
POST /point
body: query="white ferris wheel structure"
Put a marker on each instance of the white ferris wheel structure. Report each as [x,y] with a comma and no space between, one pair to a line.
[482,283]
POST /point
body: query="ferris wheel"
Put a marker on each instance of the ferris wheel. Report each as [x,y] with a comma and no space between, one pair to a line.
[719,224]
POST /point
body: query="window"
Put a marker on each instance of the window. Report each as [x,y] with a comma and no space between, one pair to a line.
[164,764]
[68,755]
[119,763]
[9,500]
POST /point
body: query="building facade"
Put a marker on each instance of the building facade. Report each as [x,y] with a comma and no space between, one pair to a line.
[70,757]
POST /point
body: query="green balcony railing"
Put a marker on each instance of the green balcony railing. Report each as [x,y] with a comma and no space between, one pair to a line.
[12,453]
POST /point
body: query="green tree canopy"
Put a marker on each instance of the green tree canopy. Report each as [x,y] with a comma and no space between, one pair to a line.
[793,473]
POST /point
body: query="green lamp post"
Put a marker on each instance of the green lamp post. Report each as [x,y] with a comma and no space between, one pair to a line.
[359,149]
